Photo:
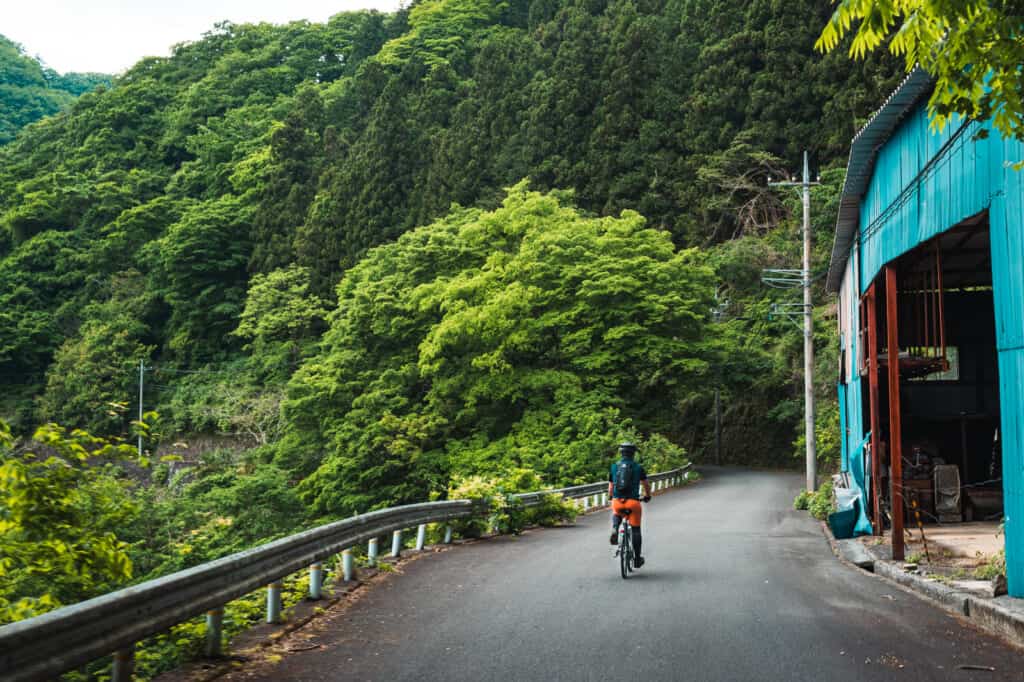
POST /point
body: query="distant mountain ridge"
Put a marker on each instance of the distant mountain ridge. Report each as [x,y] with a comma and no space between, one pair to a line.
[30,90]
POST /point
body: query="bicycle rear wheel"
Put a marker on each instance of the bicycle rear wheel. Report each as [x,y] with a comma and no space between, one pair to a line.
[626,554]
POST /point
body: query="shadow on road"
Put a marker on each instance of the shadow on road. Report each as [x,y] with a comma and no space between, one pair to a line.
[655,576]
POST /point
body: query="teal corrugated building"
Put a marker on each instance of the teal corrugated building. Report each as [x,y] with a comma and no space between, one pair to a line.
[928,264]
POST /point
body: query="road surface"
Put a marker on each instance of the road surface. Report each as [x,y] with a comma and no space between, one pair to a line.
[737,586]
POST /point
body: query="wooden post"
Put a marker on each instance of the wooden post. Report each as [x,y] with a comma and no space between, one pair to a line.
[895,428]
[876,426]
[940,297]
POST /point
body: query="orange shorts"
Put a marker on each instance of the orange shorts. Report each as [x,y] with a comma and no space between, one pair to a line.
[635,510]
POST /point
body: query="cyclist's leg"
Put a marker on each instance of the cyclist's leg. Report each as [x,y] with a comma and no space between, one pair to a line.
[620,509]
[616,520]
[635,516]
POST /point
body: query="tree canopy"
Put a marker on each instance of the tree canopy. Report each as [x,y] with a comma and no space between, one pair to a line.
[29,90]
[528,336]
[974,50]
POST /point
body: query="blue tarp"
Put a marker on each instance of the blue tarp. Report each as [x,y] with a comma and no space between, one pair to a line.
[860,474]
[844,463]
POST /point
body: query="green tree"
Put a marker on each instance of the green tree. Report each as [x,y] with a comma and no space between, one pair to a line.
[59,516]
[279,308]
[973,48]
[96,369]
[201,272]
[523,337]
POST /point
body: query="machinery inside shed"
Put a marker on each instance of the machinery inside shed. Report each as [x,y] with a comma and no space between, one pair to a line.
[928,338]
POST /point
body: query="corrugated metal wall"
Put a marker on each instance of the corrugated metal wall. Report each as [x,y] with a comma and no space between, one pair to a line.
[925,183]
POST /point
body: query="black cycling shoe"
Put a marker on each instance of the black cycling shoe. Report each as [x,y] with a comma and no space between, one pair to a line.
[638,561]
[615,538]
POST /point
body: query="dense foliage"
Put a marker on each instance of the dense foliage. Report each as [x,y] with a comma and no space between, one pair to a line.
[30,90]
[973,48]
[366,261]
[60,516]
[526,337]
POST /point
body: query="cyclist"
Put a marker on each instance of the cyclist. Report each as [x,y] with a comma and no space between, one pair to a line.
[624,482]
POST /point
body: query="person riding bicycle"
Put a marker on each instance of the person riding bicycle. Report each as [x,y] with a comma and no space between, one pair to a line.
[624,481]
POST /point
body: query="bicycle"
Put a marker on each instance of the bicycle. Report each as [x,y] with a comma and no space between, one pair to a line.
[625,547]
[624,550]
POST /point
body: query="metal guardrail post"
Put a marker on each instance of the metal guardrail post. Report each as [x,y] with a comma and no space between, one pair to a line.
[316,580]
[421,536]
[396,544]
[447,535]
[348,565]
[214,632]
[274,602]
[371,552]
[123,668]
[586,504]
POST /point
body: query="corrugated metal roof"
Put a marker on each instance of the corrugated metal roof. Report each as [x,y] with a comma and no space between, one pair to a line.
[860,167]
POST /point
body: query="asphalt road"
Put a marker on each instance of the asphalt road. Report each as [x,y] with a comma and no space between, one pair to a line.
[737,586]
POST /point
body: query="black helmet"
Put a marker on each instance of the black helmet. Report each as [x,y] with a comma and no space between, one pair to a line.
[627,449]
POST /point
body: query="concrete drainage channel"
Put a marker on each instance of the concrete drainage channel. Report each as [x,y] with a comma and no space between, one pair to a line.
[1002,615]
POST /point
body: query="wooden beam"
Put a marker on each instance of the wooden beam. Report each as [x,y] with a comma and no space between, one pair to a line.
[895,427]
[940,300]
[871,304]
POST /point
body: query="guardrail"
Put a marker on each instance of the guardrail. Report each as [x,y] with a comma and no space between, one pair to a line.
[45,646]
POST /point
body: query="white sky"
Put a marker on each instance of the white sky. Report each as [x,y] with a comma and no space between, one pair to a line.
[110,35]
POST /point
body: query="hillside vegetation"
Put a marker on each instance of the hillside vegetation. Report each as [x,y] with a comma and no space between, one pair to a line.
[30,90]
[392,250]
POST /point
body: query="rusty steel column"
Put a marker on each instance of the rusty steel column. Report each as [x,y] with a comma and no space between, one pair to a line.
[895,429]
[876,425]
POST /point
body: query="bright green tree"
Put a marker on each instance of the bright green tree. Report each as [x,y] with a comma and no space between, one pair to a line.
[59,516]
[528,336]
[280,314]
[973,48]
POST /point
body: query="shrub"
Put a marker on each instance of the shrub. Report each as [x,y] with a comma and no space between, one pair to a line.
[508,515]
[801,500]
[996,565]
[820,503]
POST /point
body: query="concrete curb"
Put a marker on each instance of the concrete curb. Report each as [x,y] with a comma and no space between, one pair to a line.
[947,597]
[1001,616]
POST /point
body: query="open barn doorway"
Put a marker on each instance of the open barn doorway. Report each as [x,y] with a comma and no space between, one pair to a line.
[934,404]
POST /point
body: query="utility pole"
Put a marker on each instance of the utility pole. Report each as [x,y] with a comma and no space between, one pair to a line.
[718,314]
[812,461]
[142,379]
[718,428]
[808,326]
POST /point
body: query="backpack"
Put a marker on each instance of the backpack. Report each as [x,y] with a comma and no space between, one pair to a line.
[623,479]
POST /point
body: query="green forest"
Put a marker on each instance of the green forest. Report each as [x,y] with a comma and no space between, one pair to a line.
[30,90]
[363,260]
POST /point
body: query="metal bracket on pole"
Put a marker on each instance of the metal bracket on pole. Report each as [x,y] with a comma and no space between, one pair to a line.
[780,278]
[794,312]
